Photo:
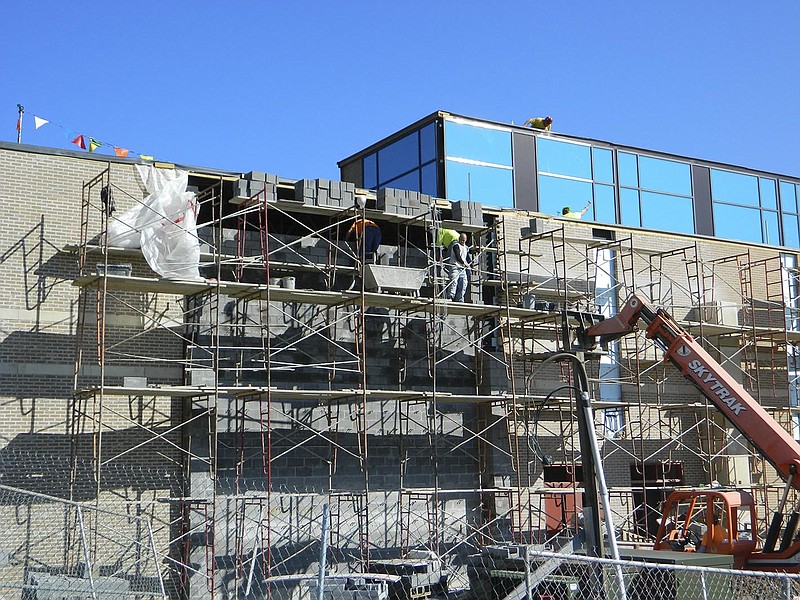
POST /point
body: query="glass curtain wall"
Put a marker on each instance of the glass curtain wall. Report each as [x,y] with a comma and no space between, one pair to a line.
[790,207]
[572,175]
[655,193]
[745,207]
[406,164]
[478,163]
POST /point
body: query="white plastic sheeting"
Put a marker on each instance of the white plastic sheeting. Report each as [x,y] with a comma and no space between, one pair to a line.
[163,225]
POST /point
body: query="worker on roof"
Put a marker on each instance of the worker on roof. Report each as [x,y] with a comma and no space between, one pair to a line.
[543,123]
[368,233]
[567,211]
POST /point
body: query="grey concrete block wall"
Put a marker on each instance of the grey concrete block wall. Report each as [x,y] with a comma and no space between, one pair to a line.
[323,192]
[402,202]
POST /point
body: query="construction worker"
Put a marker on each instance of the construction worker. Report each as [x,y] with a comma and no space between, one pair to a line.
[368,232]
[543,123]
[458,264]
[446,237]
[567,211]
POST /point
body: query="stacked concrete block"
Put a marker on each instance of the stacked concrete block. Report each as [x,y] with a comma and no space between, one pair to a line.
[256,182]
[403,202]
[467,212]
[323,192]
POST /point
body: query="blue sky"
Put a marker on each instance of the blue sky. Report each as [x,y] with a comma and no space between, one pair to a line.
[292,87]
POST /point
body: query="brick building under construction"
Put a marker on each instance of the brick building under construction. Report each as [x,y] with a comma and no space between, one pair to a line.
[204,381]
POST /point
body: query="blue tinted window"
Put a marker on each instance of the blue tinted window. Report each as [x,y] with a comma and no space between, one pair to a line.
[409,181]
[769,222]
[427,143]
[668,213]
[735,188]
[563,158]
[370,167]
[791,237]
[665,176]
[629,207]
[628,172]
[429,180]
[603,169]
[737,222]
[604,204]
[399,157]
[489,185]
[788,198]
[555,193]
[769,197]
[477,143]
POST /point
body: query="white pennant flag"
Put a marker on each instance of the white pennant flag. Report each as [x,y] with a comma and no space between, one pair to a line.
[39,121]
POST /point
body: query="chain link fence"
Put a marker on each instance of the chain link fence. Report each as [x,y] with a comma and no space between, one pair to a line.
[135,533]
[51,548]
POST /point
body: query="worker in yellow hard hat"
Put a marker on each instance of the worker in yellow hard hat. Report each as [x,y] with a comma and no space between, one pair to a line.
[543,123]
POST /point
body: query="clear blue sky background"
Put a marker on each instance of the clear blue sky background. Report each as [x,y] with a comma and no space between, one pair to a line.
[292,87]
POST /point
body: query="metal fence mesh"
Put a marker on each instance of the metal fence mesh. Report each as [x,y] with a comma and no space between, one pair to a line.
[64,534]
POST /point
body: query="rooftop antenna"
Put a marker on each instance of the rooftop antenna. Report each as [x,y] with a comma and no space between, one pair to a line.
[21,110]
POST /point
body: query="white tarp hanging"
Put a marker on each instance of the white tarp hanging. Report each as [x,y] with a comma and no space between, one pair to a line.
[163,225]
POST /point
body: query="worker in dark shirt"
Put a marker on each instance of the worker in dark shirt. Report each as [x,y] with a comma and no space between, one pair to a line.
[368,233]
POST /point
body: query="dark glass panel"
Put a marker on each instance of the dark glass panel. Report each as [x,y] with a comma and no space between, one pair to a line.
[409,181]
[427,143]
[429,178]
[398,157]
[370,167]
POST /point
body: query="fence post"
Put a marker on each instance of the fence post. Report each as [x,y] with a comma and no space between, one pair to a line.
[155,558]
[323,553]
[86,556]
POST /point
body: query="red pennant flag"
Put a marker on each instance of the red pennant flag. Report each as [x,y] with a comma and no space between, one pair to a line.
[80,142]
[19,123]
[121,152]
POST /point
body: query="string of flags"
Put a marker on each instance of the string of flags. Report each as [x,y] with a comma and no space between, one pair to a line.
[81,140]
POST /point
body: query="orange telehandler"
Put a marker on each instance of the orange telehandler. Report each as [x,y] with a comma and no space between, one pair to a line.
[723,521]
